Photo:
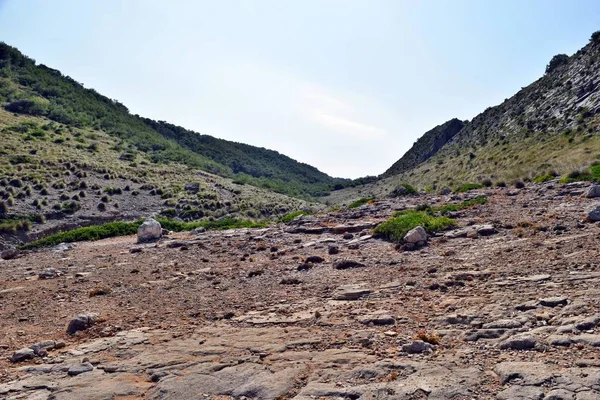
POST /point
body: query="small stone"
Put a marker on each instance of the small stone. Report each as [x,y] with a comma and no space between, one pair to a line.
[519,342]
[49,273]
[78,369]
[350,292]
[62,247]
[553,301]
[22,355]
[346,264]
[417,347]
[314,259]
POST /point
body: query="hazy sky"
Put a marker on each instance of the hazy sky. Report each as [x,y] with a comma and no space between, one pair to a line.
[346,86]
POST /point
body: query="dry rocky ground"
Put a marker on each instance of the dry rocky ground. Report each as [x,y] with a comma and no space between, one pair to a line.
[318,309]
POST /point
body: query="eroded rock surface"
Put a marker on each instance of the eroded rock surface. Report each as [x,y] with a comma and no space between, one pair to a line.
[504,307]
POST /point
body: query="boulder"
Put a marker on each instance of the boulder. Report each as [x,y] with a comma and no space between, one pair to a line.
[21,355]
[149,231]
[592,191]
[594,215]
[416,235]
[9,254]
[79,369]
[417,347]
[81,323]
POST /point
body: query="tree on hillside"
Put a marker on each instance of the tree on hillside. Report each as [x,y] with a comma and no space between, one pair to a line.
[557,61]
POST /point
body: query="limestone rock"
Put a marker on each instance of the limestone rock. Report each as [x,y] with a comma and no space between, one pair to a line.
[416,235]
[149,231]
[81,323]
[9,254]
[592,191]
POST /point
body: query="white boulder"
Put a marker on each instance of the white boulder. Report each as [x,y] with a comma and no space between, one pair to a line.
[149,231]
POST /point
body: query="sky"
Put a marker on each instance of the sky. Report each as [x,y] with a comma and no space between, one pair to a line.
[344,85]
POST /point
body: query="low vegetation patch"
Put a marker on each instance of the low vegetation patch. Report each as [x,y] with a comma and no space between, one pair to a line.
[443,210]
[403,189]
[219,224]
[395,228]
[469,186]
[291,216]
[95,232]
[113,229]
[360,202]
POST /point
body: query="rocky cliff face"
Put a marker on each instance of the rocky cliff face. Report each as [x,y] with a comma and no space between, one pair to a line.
[426,146]
[564,98]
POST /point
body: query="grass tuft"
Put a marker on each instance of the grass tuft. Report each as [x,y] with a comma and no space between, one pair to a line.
[360,202]
[291,216]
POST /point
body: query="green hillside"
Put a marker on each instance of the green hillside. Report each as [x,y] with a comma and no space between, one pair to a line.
[37,90]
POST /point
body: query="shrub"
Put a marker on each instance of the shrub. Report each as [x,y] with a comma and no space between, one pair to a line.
[557,61]
[3,208]
[518,184]
[468,186]
[291,216]
[34,106]
[577,175]
[487,182]
[360,202]
[543,178]
[102,207]
[403,189]
[97,232]
[70,207]
[443,210]
[595,37]
[395,228]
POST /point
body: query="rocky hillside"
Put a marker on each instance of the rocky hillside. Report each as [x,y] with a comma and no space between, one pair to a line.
[55,177]
[424,148]
[548,128]
[34,89]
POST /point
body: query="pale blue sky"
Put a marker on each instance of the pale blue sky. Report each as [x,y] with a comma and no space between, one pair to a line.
[346,86]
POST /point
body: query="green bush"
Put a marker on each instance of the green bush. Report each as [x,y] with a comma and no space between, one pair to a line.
[360,202]
[395,228]
[543,178]
[557,61]
[443,210]
[576,175]
[403,189]
[96,232]
[595,37]
[468,186]
[291,216]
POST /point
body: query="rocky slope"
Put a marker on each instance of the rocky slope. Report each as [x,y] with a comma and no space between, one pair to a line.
[55,177]
[550,126]
[427,146]
[318,309]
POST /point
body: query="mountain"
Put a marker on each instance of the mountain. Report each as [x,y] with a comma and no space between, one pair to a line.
[425,147]
[37,90]
[549,128]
